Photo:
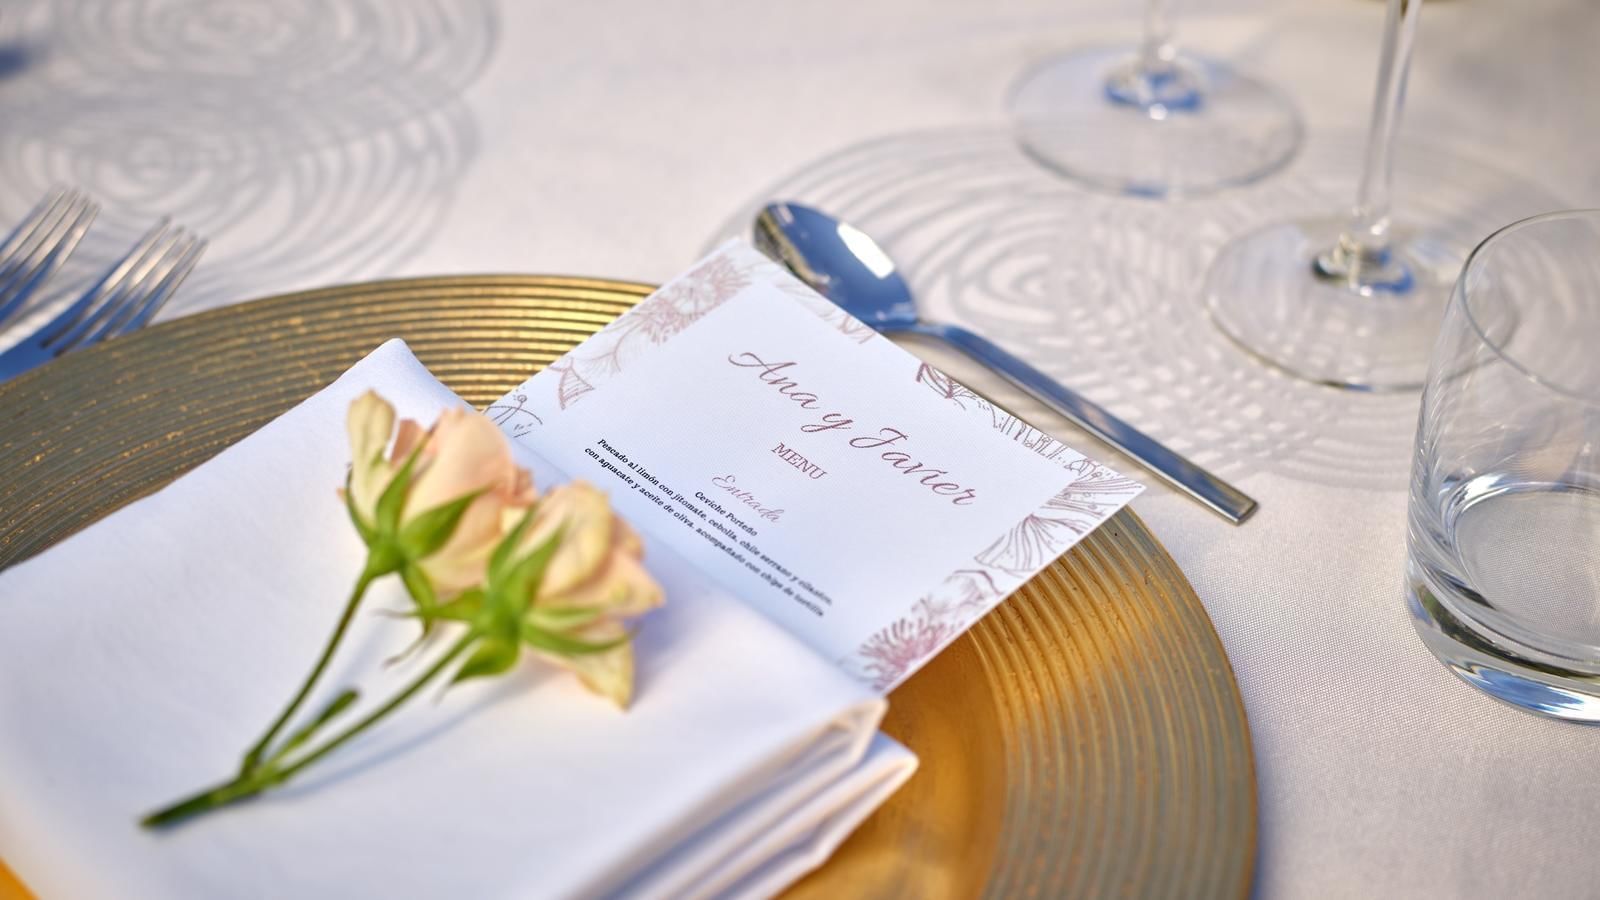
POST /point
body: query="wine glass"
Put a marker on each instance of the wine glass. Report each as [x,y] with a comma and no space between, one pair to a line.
[1351,301]
[1152,121]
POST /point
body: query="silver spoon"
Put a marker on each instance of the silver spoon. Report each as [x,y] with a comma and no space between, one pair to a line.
[845,265]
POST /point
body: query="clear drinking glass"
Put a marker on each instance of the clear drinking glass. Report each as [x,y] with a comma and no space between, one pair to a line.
[1351,301]
[1504,544]
[1152,121]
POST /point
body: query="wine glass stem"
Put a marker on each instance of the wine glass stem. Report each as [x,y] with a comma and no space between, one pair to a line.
[1153,81]
[1367,233]
[1156,51]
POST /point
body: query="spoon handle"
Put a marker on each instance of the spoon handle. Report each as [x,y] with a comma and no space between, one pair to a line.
[1220,496]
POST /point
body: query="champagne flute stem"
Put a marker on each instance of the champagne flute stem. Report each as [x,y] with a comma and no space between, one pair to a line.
[1366,236]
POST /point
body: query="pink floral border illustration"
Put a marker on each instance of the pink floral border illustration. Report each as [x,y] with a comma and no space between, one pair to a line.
[897,650]
[677,305]
[1093,495]
[668,311]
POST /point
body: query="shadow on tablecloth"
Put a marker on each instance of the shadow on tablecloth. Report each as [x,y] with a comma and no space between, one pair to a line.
[310,140]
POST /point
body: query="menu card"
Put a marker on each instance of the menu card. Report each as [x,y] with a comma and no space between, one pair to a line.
[864,501]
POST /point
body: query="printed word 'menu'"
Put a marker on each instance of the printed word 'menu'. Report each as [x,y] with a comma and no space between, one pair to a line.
[793,458]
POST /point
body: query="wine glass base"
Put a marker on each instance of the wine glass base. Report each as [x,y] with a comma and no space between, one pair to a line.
[1278,295]
[1197,126]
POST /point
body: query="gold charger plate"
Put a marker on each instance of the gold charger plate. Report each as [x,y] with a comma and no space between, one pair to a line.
[1085,739]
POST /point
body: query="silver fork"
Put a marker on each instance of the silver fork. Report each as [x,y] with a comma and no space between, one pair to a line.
[40,244]
[125,298]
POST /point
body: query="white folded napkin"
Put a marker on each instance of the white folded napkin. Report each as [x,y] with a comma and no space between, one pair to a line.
[139,658]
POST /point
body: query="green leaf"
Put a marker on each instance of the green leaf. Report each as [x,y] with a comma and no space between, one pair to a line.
[427,608]
[362,528]
[561,619]
[561,645]
[386,512]
[338,704]
[468,607]
[521,584]
[427,532]
[492,657]
[422,593]
[383,557]
[503,556]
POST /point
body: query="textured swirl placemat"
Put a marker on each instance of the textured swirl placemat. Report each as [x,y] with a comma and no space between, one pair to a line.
[1086,739]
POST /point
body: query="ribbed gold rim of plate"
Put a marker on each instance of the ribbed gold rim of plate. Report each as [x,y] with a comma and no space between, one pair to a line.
[1086,739]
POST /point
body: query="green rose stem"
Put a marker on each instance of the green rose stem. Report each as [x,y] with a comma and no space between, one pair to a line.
[267,775]
[375,568]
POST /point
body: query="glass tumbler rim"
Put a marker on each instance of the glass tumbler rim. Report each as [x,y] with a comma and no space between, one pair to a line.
[1473,260]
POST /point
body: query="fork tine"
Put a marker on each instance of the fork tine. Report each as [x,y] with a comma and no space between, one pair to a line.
[26,245]
[57,245]
[166,287]
[59,327]
[110,318]
[51,201]
[114,301]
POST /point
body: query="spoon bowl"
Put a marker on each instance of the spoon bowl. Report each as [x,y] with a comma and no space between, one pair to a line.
[838,261]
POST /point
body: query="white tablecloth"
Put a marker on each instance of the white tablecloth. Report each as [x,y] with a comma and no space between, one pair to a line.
[318,142]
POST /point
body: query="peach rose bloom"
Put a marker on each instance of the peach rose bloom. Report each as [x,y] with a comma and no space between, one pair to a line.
[462,454]
[597,566]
